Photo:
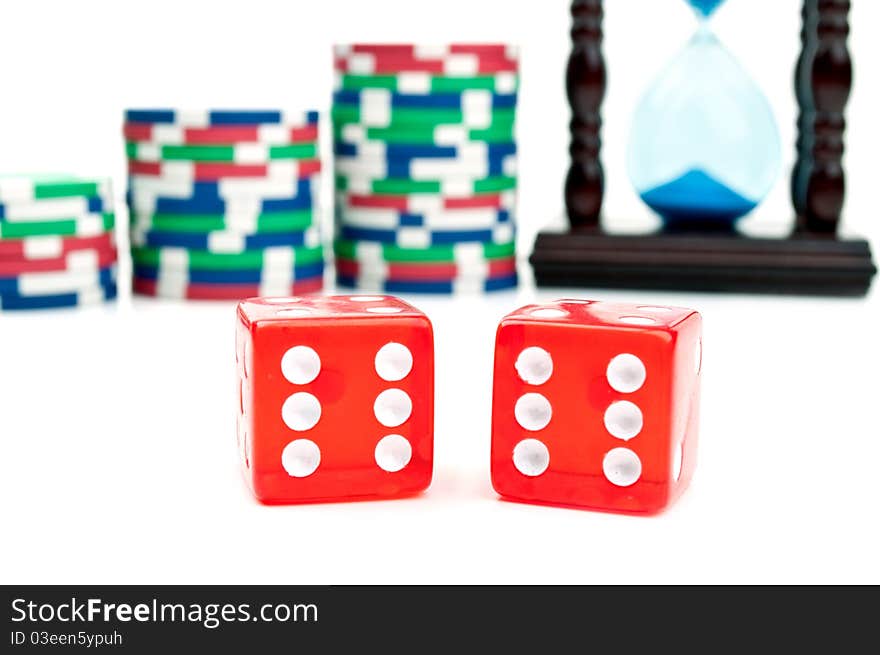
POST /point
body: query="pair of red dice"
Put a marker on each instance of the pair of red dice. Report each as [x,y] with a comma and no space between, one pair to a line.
[595,404]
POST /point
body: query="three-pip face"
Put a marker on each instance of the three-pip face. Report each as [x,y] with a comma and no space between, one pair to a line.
[336,398]
[596,404]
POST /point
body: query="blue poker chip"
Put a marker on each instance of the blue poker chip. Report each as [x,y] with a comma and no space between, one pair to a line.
[425,101]
[434,237]
[202,241]
[348,216]
[403,168]
[217,117]
[203,190]
[57,281]
[502,216]
[179,206]
[406,152]
[206,199]
[231,276]
[440,287]
[102,293]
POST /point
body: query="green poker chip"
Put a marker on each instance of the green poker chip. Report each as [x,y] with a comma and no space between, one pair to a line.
[403,186]
[422,134]
[406,117]
[27,188]
[435,84]
[292,221]
[242,153]
[366,252]
[87,225]
[182,258]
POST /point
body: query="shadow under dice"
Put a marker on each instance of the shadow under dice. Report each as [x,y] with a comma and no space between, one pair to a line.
[335,398]
[596,405]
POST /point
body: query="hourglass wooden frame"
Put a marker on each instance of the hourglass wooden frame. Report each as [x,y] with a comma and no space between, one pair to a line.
[812,259]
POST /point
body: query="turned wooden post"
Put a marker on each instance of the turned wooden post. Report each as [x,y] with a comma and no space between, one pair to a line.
[823,80]
[585,82]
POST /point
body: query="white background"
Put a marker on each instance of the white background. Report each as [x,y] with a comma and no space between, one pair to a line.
[118,462]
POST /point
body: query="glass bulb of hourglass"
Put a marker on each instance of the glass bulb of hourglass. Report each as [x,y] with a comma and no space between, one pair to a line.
[704,146]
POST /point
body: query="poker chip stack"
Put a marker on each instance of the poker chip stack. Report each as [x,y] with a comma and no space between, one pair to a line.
[57,247]
[223,203]
[425,168]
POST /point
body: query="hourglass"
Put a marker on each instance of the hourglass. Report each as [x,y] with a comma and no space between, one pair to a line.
[704,147]
[703,152]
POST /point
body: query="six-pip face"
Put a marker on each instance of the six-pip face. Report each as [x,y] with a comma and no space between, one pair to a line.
[595,404]
[336,398]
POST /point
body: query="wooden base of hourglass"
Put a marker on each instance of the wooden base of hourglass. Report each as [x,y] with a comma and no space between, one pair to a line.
[811,260]
[703,261]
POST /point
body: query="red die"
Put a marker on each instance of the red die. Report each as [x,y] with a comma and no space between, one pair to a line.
[596,405]
[336,398]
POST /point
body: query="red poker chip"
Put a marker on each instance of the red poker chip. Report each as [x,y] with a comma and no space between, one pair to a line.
[426,272]
[215,171]
[102,258]
[196,291]
[396,65]
[50,247]
[218,135]
[401,203]
[483,50]
[387,59]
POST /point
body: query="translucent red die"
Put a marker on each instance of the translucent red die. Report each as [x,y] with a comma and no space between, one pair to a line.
[596,405]
[335,398]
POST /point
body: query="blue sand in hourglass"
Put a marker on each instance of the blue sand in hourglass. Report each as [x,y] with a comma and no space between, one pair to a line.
[705,7]
[697,197]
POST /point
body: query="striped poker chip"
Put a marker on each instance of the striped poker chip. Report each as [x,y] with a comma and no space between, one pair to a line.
[221,117]
[437,135]
[426,83]
[474,151]
[54,208]
[52,246]
[84,297]
[425,169]
[438,287]
[176,135]
[381,253]
[29,188]
[452,60]
[409,118]
[87,225]
[382,98]
[226,241]
[217,172]
[419,237]
[280,258]
[57,282]
[242,153]
[293,221]
[145,187]
[420,203]
[231,276]
[489,268]
[448,220]
[151,204]
[206,200]
[462,187]
[430,51]
[183,290]
[78,260]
